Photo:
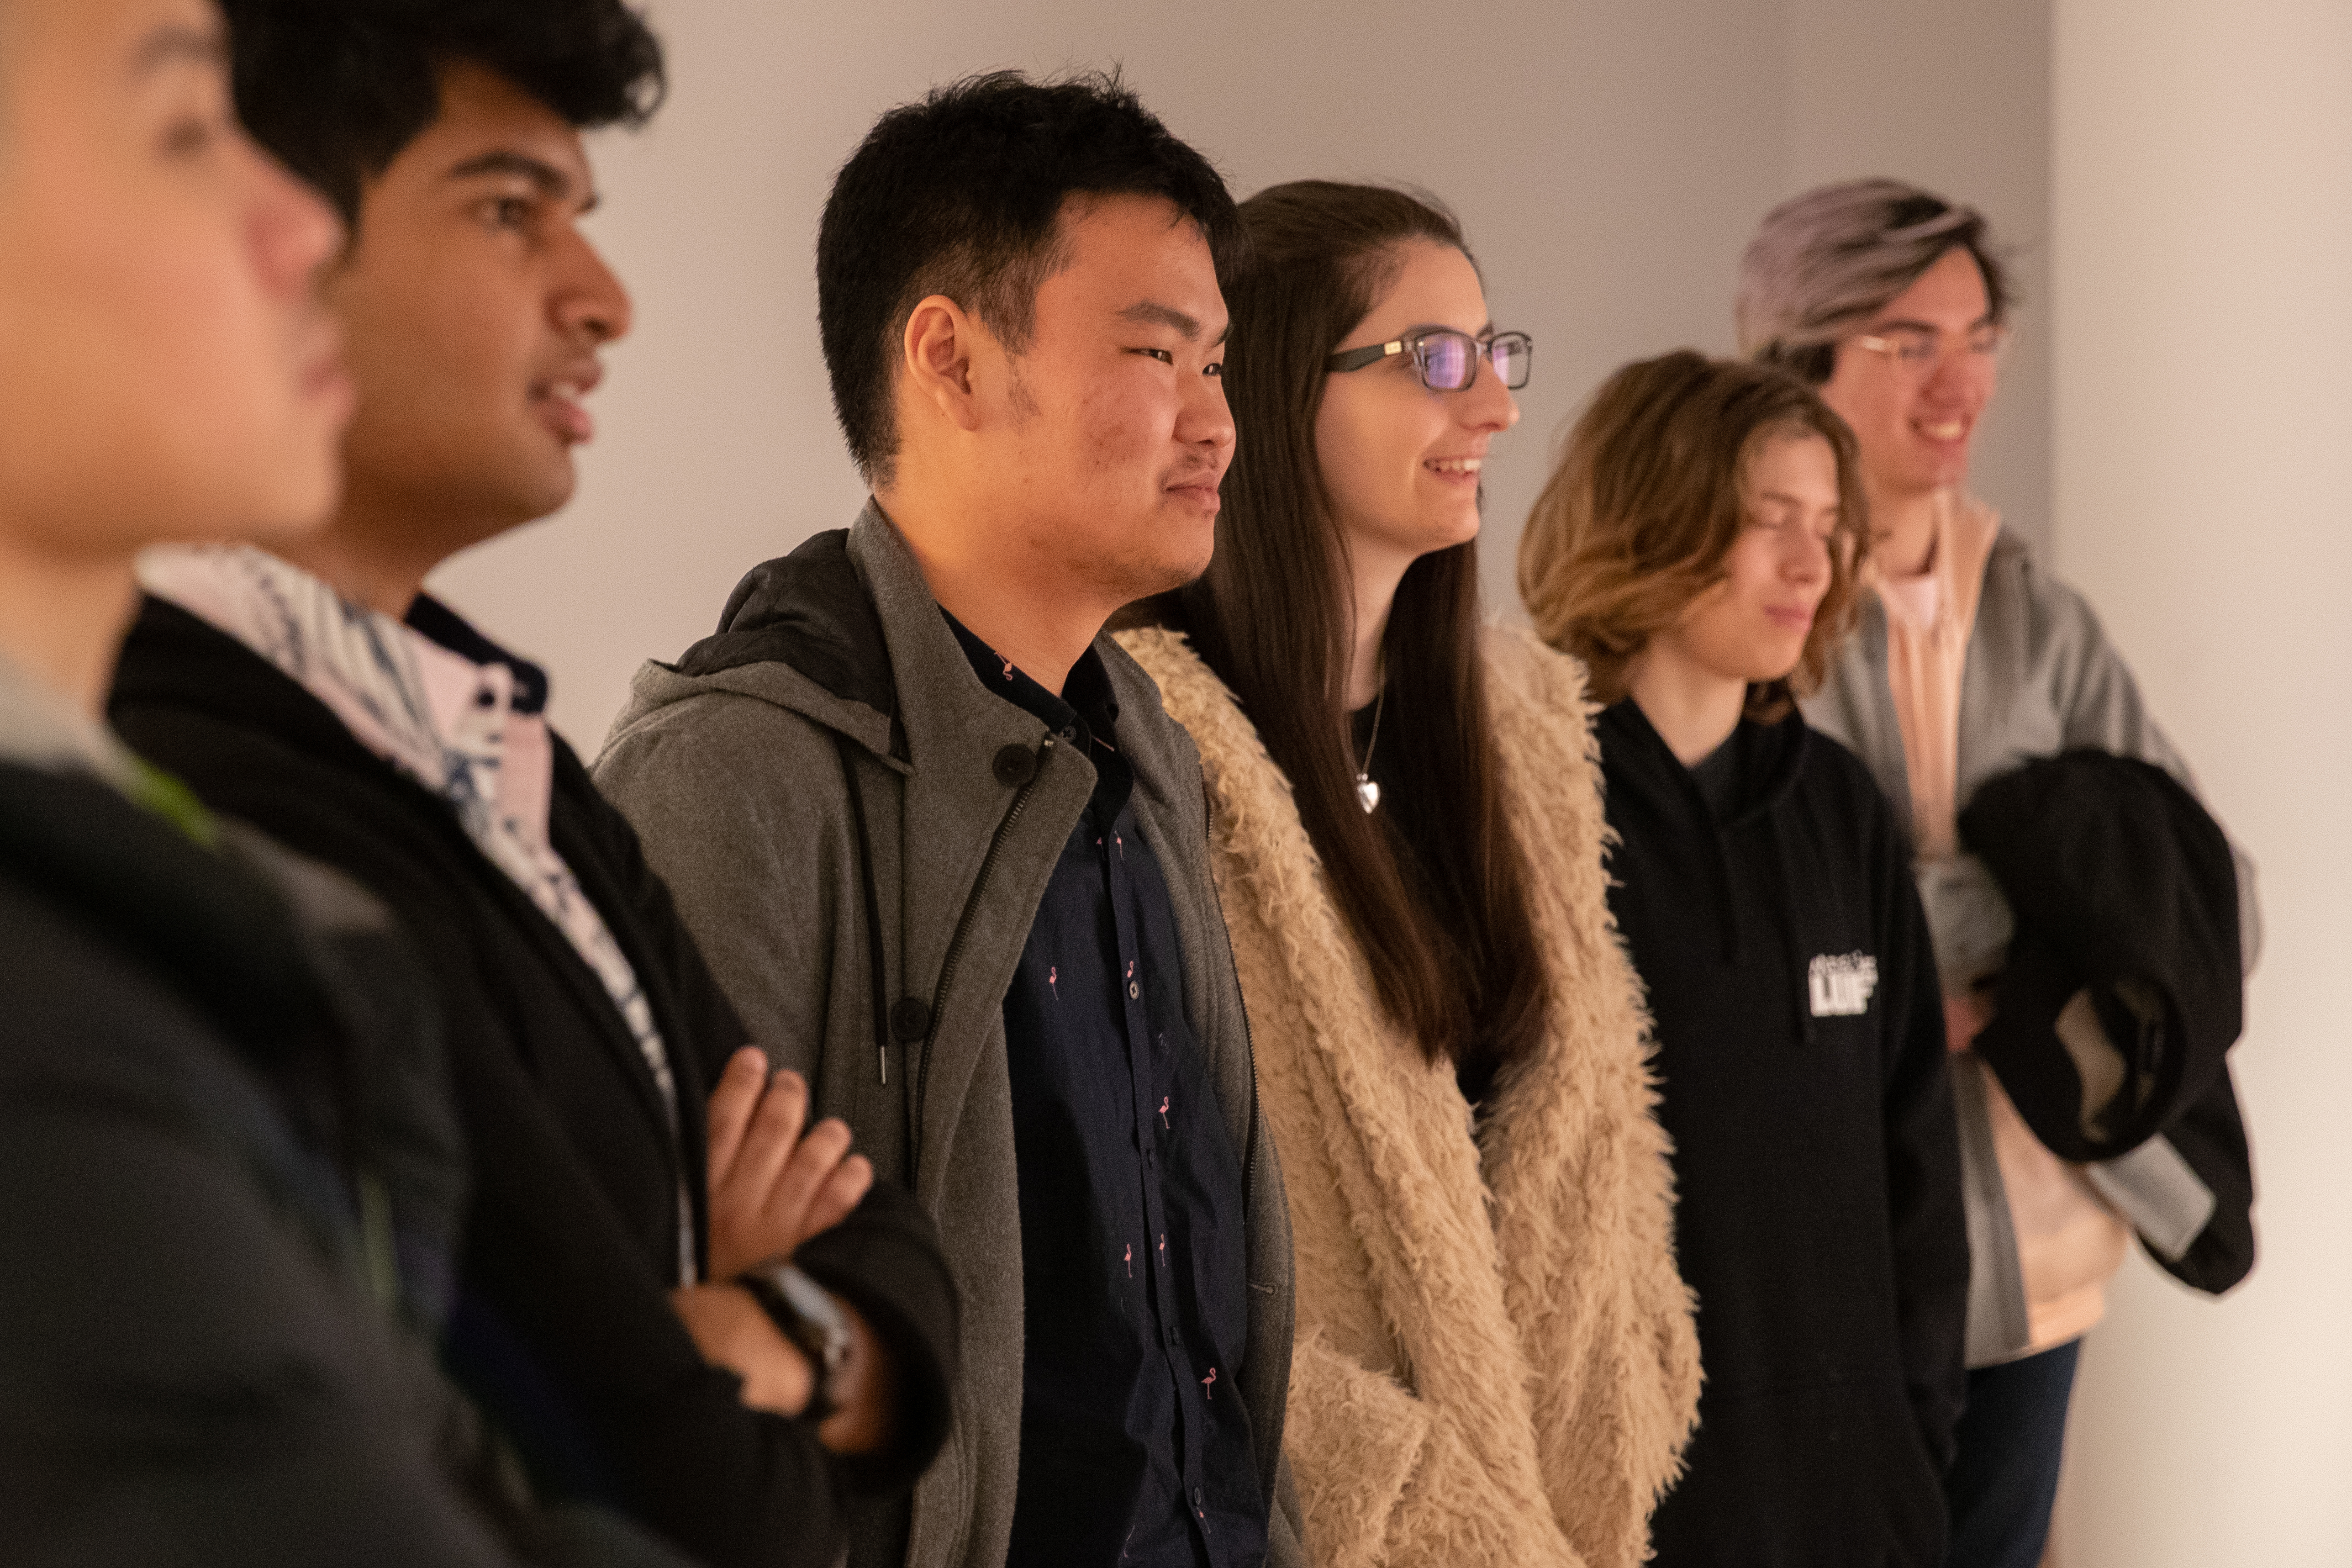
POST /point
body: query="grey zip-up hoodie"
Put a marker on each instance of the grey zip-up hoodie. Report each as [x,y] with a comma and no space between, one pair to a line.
[858,833]
[2041,678]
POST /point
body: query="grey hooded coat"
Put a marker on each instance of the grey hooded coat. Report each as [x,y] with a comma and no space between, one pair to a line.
[859,834]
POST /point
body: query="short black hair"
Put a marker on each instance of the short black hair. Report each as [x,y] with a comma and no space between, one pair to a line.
[337,88]
[961,194]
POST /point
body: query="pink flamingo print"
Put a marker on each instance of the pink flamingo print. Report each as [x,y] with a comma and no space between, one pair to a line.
[1163,1110]
[1210,1383]
[1053,980]
[1131,1259]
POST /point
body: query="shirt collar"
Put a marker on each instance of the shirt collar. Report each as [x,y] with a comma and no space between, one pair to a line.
[434,698]
[440,624]
[1086,712]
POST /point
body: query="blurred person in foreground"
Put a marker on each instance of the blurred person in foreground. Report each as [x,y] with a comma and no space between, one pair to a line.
[1496,1362]
[941,841]
[1696,547]
[700,1315]
[228,1179]
[1968,660]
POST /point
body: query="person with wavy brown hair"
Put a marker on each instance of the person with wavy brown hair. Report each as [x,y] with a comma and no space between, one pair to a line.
[1697,547]
[1495,1362]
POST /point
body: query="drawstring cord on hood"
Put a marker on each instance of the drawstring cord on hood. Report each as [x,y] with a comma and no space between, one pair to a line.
[1718,836]
[1798,976]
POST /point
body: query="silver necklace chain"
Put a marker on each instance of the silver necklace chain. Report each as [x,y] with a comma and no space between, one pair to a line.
[1368,792]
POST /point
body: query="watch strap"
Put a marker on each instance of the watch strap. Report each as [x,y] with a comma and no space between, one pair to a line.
[810,1322]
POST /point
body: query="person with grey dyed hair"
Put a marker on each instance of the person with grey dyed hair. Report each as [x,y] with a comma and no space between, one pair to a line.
[1827,262]
[1894,301]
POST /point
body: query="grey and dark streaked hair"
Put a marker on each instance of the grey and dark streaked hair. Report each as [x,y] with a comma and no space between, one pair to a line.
[1825,262]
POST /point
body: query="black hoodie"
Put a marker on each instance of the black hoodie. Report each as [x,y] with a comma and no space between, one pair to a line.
[1800,1045]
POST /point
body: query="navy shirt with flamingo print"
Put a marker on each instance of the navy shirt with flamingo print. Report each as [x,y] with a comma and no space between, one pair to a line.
[1135,1444]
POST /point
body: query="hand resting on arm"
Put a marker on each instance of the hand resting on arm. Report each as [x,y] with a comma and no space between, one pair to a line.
[773,1186]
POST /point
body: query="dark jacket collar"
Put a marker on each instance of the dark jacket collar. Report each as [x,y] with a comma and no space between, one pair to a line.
[173,658]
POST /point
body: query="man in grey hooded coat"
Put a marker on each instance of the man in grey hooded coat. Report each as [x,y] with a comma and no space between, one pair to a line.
[908,763]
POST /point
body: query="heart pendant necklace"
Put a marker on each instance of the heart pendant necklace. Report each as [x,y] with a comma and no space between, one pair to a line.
[1366,791]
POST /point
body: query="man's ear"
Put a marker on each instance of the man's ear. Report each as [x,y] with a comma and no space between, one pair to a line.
[936,354]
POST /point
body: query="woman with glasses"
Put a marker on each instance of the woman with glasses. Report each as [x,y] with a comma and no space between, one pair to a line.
[1494,1361]
[1967,661]
[1695,547]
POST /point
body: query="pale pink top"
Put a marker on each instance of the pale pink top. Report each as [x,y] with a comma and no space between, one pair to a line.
[2069,1242]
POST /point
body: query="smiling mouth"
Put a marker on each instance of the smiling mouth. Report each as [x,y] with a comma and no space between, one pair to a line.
[1201,489]
[1944,429]
[1455,466]
[560,401]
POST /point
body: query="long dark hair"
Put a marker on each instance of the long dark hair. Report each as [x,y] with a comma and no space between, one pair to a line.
[1446,930]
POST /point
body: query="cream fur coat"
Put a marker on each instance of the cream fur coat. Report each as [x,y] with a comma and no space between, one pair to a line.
[1496,1362]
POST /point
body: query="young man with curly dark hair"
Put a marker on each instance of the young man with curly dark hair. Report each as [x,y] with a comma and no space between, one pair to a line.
[935,832]
[699,1315]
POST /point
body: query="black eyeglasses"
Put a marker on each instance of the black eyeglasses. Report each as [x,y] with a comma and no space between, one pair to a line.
[1447,360]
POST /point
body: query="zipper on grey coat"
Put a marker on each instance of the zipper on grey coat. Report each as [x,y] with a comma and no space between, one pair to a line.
[955,951]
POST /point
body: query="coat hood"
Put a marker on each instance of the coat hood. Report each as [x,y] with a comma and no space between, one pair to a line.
[801,631]
[1770,759]
[808,609]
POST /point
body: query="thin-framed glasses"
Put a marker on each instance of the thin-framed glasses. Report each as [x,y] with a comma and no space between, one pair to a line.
[1447,360]
[1920,350]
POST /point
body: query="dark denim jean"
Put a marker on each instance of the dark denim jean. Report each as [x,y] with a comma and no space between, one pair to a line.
[2004,1480]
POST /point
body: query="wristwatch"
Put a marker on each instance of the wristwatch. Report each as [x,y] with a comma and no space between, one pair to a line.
[810,1321]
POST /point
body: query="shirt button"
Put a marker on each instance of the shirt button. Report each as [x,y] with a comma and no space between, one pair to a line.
[1133,989]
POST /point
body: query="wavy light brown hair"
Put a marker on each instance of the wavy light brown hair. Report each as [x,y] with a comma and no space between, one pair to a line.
[1446,932]
[1648,498]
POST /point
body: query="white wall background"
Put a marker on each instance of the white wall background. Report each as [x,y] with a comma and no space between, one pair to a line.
[2203,186]
[1610,161]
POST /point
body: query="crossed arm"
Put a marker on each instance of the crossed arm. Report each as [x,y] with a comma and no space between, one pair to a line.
[774,1184]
